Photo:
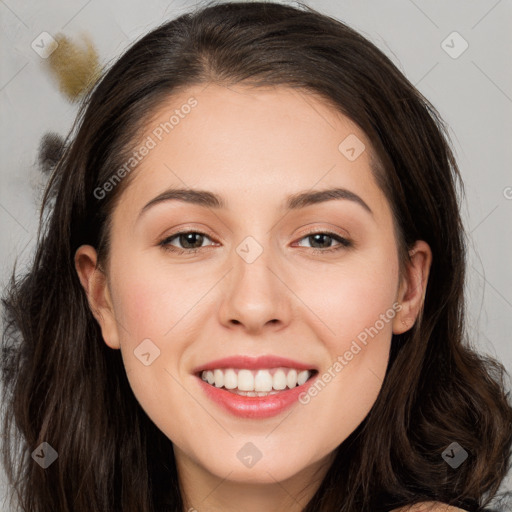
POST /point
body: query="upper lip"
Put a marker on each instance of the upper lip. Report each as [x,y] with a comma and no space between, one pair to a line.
[253,363]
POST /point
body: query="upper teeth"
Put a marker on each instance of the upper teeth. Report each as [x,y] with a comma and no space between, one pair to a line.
[256,380]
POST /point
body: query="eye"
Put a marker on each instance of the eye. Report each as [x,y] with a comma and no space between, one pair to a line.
[319,240]
[191,241]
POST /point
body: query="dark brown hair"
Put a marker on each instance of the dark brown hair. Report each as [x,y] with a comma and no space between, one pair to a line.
[63,385]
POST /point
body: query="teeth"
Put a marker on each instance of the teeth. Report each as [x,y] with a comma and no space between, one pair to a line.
[302,377]
[230,379]
[279,380]
[263,381]
[258,382]
[219,378]
[291,378]
[246,381]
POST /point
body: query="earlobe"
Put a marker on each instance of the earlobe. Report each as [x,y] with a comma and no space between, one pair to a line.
[94,283]
[411,294]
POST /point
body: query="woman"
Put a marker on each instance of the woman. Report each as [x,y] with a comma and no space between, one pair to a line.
[184,339]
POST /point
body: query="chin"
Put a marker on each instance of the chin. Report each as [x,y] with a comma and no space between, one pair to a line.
[259,474]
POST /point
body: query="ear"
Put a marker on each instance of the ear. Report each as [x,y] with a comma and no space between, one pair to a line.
[413,287]
[94,282]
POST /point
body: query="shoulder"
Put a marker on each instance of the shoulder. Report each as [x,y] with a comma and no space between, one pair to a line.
[428,506]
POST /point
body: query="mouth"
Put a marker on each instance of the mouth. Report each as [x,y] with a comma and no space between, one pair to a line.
[255,393]
[253,383]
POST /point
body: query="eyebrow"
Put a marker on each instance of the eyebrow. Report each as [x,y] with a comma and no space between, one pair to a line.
[293,202]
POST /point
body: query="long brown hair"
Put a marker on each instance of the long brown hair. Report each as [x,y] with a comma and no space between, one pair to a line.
[64,386]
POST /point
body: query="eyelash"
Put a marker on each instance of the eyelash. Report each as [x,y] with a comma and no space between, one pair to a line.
[344,243]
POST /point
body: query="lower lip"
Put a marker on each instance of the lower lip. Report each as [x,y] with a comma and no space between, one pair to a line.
[255,407]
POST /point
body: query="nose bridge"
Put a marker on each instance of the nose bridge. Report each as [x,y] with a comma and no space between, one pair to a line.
[254,294]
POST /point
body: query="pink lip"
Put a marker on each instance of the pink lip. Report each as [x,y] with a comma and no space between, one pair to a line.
[253,363]
[255,407]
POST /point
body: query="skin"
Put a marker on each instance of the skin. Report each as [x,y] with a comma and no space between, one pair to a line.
[254,147]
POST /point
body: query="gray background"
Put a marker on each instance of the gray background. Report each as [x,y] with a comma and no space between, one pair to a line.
[472,91]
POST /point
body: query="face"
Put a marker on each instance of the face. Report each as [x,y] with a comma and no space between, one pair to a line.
[268,282]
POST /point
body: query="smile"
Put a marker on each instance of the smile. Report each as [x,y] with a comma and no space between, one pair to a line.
[261,382]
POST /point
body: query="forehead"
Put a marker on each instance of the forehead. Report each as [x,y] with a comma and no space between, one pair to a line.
[250,145]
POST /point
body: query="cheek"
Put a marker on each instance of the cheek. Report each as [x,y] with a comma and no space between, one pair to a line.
[353,297]
[146,309]
[156,309]
[140,309]
[358,312]
[150,300]
[151,312]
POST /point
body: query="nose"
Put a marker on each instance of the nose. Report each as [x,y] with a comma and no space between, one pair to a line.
[255,296]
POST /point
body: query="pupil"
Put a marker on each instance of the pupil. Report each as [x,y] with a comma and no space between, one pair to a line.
[319,235]
[189,239]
